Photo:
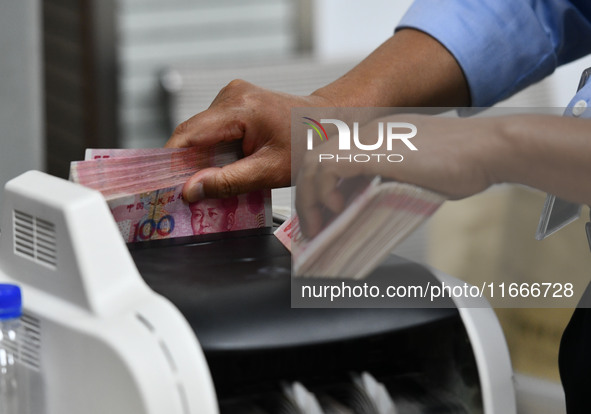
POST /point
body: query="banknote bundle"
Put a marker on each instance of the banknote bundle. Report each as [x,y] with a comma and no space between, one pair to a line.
[143,189]
[377,217]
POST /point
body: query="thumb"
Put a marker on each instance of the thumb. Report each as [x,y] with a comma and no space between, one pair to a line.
[239,177]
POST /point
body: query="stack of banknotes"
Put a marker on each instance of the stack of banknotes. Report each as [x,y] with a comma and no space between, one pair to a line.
[143,188]
[378,216]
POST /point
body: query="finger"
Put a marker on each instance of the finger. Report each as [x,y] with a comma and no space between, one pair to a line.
[207,128]
[243,176]
[330,176]
[307,204]
[327,192]
[320,190]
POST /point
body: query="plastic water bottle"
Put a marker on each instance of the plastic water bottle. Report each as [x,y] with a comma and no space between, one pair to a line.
[10,313]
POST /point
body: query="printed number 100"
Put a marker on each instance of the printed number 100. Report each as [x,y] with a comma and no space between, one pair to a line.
[144,230]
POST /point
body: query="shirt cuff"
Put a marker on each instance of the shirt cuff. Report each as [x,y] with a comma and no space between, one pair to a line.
[499,44]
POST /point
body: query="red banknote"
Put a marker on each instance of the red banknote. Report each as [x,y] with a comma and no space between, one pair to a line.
[378,216]
[143,188]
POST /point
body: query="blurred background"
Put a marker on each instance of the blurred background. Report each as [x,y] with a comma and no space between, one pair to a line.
[123,73]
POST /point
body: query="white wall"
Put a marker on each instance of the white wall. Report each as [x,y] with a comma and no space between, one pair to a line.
[21,143]
[352,29]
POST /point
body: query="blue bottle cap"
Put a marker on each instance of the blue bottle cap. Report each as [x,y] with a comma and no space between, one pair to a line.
[11,305]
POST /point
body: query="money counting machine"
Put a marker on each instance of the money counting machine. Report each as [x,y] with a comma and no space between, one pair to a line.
[206,327]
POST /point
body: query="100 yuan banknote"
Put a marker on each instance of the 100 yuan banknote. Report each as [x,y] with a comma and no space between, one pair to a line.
[220,154]
[164,214]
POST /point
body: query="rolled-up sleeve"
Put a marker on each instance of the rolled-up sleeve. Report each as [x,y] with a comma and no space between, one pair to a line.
[503,46]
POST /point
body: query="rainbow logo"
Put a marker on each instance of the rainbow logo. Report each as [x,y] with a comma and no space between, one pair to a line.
[316,126]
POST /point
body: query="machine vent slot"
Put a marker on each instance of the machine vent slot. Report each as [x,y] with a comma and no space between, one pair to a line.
[34,239]
[145,322]
[168,355]
[30,342]
[183,396]
[169,358]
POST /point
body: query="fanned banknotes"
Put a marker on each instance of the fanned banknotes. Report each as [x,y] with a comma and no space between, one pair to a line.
[377,217]
[363,394]
[143,188]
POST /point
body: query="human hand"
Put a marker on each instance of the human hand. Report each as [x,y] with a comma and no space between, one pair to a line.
[454,157]
[261,118]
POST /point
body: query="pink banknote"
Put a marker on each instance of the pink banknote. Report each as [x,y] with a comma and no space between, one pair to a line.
[378,215]
[119,172]
[289,232]
[143,188]
[164,214]
[102,153]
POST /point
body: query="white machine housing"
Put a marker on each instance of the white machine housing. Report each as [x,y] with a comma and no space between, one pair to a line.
[98,340]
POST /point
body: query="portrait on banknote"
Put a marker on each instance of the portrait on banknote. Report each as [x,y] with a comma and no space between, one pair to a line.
[213,216]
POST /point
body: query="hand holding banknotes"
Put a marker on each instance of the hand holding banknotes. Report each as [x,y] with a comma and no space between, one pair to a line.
[450,160]
[261,119]
[459,157]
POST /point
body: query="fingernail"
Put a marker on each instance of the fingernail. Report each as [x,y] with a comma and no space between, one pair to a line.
[195,193]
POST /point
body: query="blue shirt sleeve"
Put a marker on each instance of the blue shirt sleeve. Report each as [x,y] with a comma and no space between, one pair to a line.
[504,45]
